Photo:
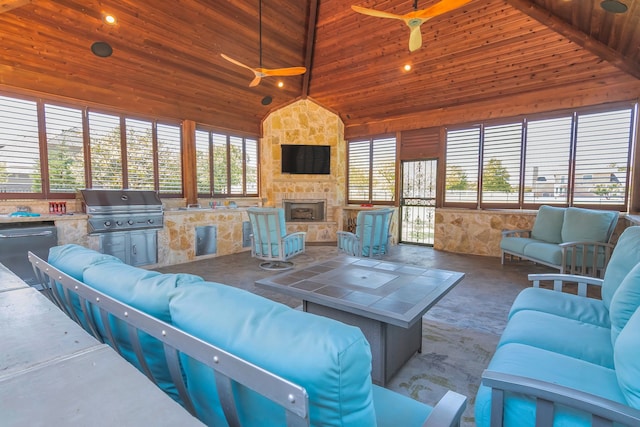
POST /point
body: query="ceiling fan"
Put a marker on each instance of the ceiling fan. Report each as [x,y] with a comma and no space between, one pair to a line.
[261,72]
[416,18]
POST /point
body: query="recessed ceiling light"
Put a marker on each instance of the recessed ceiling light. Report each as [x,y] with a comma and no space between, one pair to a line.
[613,6]
[407,67]
[109,19]
[280,84]
[101,49]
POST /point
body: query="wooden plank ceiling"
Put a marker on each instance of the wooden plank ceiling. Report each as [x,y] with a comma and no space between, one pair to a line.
[166,54]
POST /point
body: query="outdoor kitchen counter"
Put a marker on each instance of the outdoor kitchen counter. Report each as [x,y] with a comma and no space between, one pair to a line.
[6,219]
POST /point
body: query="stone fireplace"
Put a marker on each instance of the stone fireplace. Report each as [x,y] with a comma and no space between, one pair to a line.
[304,210]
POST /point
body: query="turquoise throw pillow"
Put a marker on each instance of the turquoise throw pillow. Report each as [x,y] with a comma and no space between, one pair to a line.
[625,302]
[588,225]
[548,224]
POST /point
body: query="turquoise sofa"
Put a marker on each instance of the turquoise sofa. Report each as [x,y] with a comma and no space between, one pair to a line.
[328,360]
[573,240]
[569,356]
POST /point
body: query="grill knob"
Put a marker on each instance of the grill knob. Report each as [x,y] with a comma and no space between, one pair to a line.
[150,221]
[118,223]
[107,223]
[130,222]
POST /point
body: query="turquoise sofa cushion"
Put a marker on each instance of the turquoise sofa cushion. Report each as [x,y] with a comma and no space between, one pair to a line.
[394,409]
[625,256]
[515,244]
[588,225]
[548,224]
[544,365]
[571,306]
[587,342]
[546,252]
[73,259]
[331,360]
[148,291]
[625,302]
[627,360]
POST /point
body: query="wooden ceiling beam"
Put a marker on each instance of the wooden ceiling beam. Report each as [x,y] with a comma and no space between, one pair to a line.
[576,36]
[311,36]
[7,5]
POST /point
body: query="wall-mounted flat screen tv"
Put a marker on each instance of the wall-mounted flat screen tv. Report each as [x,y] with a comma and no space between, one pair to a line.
[306,159]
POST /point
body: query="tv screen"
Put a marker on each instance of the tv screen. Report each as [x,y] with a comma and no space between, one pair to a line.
[306,159]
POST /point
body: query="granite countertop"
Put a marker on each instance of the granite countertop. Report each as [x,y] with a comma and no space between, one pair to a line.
[6,219]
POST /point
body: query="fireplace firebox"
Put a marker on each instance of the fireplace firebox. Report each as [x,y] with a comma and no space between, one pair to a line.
[304,210]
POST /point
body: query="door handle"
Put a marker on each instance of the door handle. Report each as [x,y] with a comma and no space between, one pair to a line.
[15,236]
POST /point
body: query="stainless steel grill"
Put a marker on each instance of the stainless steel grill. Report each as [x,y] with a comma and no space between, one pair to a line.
[122,210]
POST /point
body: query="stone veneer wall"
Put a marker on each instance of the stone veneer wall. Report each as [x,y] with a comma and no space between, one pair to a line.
[304,122]
[478,232]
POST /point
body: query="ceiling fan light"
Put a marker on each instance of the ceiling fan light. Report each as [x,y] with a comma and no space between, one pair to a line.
[613,6]
[109,19]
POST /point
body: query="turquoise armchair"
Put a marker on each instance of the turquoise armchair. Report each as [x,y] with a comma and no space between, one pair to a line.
[371,238]
[270,241]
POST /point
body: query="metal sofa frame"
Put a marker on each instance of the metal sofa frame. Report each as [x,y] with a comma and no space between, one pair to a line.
[61,288]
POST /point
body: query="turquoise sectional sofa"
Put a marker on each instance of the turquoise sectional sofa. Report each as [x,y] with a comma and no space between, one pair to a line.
[329,360]
[573,240]
[579,356]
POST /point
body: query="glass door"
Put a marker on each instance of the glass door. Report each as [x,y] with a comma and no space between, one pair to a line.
[418,202]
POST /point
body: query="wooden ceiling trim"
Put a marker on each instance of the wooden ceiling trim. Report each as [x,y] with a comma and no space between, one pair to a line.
[621,87]
[576,36]
[311,36]
[7,5]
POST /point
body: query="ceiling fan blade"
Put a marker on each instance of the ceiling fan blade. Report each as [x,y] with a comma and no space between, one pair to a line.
[238,63]
[377,13]
[439,8]
[415,39]
[291,71]
[255,81]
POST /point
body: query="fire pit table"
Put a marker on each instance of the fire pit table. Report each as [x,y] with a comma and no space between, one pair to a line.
[385,300]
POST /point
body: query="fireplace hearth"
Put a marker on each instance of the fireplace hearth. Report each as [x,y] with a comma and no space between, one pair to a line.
[304,210]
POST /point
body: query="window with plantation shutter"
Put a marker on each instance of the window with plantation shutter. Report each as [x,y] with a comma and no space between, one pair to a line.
[603,142]
[251,166]
[220,165]
[546,173]
[227,165]
[169,147]
[105,148]
[203,163]
[579,158]
[139,140]
[19,146]
[65,151]
[371,170]
[462,157]
[501,164]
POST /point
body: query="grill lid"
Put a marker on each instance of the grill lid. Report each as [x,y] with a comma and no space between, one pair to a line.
[120,201]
